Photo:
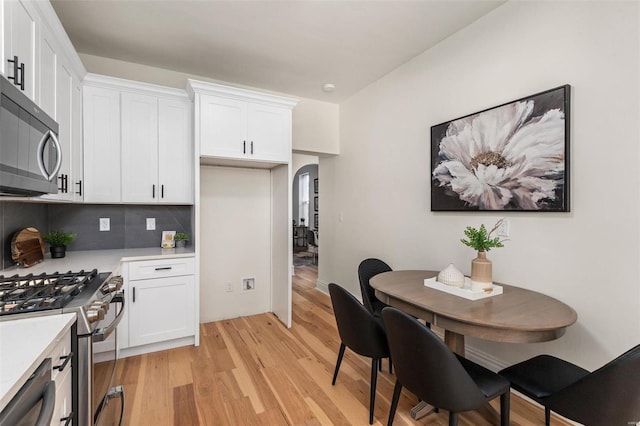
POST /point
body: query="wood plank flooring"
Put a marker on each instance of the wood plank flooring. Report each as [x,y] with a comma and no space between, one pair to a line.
[254,371]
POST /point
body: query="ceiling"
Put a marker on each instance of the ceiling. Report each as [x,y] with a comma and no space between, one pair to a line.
[292,47]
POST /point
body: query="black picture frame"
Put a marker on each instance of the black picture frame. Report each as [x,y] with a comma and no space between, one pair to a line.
[315,204]
[511,157]
[315,220]
[315,186]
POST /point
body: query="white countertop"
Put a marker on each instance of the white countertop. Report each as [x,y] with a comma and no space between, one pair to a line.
[102,260]
[24,343]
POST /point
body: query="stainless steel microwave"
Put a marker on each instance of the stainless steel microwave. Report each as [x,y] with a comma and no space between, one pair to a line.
[30,154]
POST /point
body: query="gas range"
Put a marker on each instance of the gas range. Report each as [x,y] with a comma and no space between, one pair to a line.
[86,293]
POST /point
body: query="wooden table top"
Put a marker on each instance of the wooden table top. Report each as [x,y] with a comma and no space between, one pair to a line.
[517,315]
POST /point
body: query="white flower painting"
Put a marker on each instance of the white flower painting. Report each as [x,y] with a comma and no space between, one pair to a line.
[511,157]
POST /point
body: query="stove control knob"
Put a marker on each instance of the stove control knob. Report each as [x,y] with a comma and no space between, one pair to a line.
[94,314]
[115,283]
[100,305]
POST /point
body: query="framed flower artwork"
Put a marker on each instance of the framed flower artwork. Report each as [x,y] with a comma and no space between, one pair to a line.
[513,157]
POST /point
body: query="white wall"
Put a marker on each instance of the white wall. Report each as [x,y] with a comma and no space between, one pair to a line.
[235,241]
[588,258]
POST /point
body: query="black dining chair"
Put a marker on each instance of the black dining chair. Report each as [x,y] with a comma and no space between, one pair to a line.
[368,269]
[608,396]
[361,332]
[429,369]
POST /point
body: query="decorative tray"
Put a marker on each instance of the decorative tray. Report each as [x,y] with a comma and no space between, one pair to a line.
[465,291]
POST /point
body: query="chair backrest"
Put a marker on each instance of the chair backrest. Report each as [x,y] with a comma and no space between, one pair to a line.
[367,269]
[357,327]
[426,366]
[311,238]
[608,396]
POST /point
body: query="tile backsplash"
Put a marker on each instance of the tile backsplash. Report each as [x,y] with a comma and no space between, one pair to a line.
[128,224]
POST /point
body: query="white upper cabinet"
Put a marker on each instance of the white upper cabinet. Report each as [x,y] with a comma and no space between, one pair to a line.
[139,148]
[240,124]
[144,131]
[76,184]
[175,151]
[21,25]
[101,108]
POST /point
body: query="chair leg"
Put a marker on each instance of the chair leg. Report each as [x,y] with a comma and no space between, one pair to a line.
[394,402]
[390,365]
[338,362]
[453,419]
[505,407]
[375,363]
[547,416]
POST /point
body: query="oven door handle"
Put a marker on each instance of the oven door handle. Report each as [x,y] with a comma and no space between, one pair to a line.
[102,333]
[48,404]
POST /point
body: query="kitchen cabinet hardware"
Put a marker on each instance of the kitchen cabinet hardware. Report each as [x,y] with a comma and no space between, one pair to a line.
[79,191]
[134,295]
[251,147]
[18,70]
[244,147]
[66,359]
[164,268]
[162,191]
[64,183]
[68,419]
[153,192]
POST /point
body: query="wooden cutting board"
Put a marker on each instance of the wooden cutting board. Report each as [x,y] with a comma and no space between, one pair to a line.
[27,247]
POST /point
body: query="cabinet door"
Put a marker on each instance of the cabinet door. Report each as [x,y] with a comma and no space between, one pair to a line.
[175,151]
[223,127]
[64,93]
[162,309]
[77,153]
[101,145]
[269,133]
[47,72]
[139,148]
[21,34]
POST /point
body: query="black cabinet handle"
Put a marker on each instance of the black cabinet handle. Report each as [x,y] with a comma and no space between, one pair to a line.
[66,183]
[153,191]
[162,191]
[67,420]
[61,187]
[251,147]
[134,294]
[66,358]
[244,147]
[164,268]
[79,192]
[18,72]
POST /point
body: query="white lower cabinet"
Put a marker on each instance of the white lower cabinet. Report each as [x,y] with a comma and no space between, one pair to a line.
[61,374]
[161,295]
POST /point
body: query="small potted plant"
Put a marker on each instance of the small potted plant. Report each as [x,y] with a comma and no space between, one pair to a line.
[181,239]
[58,241]
[482,241]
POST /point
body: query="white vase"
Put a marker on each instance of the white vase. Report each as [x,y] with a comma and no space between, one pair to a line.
[451,276]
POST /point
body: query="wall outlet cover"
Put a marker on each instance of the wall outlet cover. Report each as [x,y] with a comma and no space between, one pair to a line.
[151,224]
[105,224]
[248,284]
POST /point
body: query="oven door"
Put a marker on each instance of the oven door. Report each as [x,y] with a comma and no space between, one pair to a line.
[34,402]
[105,358]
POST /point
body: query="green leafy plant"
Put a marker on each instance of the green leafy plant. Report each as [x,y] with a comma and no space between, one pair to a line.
[58,238]
[181,236]
[481,240]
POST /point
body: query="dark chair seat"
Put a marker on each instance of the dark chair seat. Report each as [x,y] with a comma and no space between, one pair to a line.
[489,384]
[542,376]
[608,396]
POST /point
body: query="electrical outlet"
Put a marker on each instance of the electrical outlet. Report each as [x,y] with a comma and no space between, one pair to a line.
[228,286]
[105,224]
[151,224]
[503,229]
[248,284]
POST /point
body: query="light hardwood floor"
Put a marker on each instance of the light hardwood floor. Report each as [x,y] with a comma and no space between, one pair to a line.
[253,371]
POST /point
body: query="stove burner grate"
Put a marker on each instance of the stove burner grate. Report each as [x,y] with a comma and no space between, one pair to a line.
[30,293]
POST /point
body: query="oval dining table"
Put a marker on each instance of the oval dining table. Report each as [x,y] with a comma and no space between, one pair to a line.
[517,315]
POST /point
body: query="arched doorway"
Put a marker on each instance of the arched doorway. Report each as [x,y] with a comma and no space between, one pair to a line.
[305,211]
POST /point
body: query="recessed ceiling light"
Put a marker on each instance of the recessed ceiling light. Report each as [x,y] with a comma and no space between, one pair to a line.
[329,87]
